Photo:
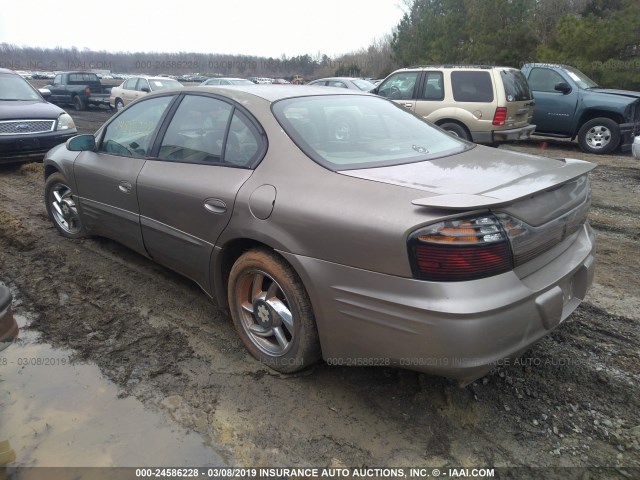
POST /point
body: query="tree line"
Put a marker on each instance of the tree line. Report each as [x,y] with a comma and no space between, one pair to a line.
[600,37]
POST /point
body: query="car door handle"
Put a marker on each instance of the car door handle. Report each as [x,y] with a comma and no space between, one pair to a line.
[215,205]
[408,105]
[125,187]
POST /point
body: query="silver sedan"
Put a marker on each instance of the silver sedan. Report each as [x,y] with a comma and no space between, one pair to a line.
[334,224]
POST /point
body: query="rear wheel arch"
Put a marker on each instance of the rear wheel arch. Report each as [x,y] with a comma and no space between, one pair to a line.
[455,126]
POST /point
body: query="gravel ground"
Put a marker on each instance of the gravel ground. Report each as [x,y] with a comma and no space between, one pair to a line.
[573,400]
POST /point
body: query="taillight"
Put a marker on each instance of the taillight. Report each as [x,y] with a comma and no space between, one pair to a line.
[460,249]
[500,116]
[87,91]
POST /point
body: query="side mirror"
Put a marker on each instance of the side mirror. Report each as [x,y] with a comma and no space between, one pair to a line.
[45,92]
[146,89]
[562,87]
[82,143]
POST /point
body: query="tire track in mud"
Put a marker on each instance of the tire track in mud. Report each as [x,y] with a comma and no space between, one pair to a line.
[158,337]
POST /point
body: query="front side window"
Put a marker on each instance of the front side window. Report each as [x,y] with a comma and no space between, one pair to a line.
[472,86]
[343,132]
[142,84]
[399,86]
[544,80]
[130,133]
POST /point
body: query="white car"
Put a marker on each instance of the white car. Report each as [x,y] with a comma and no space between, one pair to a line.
[635,148]
[136,87]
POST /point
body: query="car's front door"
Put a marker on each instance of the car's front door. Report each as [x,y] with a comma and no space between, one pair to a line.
[187,194]
[106,179]
[400,87]
[555,110]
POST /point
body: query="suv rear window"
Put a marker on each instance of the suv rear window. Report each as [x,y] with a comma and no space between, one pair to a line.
[472,87]
[516,88]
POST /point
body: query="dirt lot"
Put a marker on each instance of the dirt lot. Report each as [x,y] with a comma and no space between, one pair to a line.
[572,400]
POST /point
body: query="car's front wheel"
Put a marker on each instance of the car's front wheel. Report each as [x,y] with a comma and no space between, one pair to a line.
[119,105]
[599,135]
[272,312]
[61,207]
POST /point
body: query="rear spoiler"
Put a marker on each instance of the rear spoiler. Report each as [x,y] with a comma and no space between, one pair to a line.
[517,190]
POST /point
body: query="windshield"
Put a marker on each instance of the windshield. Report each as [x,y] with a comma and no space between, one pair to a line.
[580,78]
[15,88]
[343,132]
[364,85]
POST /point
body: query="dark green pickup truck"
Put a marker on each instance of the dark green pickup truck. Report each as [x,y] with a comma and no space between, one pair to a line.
[569,104]
[79,89]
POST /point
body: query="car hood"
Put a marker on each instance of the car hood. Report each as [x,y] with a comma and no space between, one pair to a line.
[28,110]
[623,93]
[478,178]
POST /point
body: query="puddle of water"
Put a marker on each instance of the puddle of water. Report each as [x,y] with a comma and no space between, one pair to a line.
[55,414]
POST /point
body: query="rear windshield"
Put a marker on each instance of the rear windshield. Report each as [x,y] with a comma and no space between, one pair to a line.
[84,77]
[343,132]
[516,88]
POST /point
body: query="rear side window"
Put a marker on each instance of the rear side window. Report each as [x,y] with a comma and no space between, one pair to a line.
[472,87]
[516,88]
[433,86]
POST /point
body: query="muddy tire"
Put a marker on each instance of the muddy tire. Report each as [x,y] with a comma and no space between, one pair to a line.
[456,130]
[272,313]
[78,103]
[600,136]
[62,208]
[119,104]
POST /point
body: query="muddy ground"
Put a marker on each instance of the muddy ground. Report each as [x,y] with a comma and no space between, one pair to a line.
[573,399]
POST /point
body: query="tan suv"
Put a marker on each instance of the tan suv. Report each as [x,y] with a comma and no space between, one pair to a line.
[478,103]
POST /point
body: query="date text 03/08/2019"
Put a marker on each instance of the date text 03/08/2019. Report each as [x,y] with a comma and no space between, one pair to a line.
[262,473]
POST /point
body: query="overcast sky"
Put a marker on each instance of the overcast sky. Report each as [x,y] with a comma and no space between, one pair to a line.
[268,28]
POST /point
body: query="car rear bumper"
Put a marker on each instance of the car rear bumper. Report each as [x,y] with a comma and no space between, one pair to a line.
[458,329]
[510,135]
[25,148]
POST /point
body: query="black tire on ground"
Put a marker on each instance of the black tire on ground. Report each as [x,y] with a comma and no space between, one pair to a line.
[271,312]
[78,103]
[599,135]
[61,207]
[456,129]
[119,104]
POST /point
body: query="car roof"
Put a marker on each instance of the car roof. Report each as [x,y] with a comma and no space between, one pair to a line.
[338,78]
[6,70]
[271,93]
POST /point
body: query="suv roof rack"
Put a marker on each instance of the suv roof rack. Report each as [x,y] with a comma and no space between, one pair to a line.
[452,65]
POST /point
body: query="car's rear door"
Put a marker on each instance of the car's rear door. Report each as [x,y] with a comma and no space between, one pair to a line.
[187,193]
[106,179]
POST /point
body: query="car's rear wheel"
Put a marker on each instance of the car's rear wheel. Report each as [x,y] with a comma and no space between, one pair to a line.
[78,103]
[456,129]
[600,135]
[61,207]
[119,105]
[272,312]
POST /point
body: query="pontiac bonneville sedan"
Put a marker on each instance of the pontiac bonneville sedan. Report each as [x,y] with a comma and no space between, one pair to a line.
[335,224]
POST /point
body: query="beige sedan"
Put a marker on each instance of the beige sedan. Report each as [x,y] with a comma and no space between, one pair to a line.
[136,87]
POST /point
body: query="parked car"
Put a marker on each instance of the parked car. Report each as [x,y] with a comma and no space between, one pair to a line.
[398,244]
[29,125]
[79,89]
[345,82]
[226,81]
[281,81]
[8,326]
[571,105]
[482,104]
[136,87]
[261,80]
